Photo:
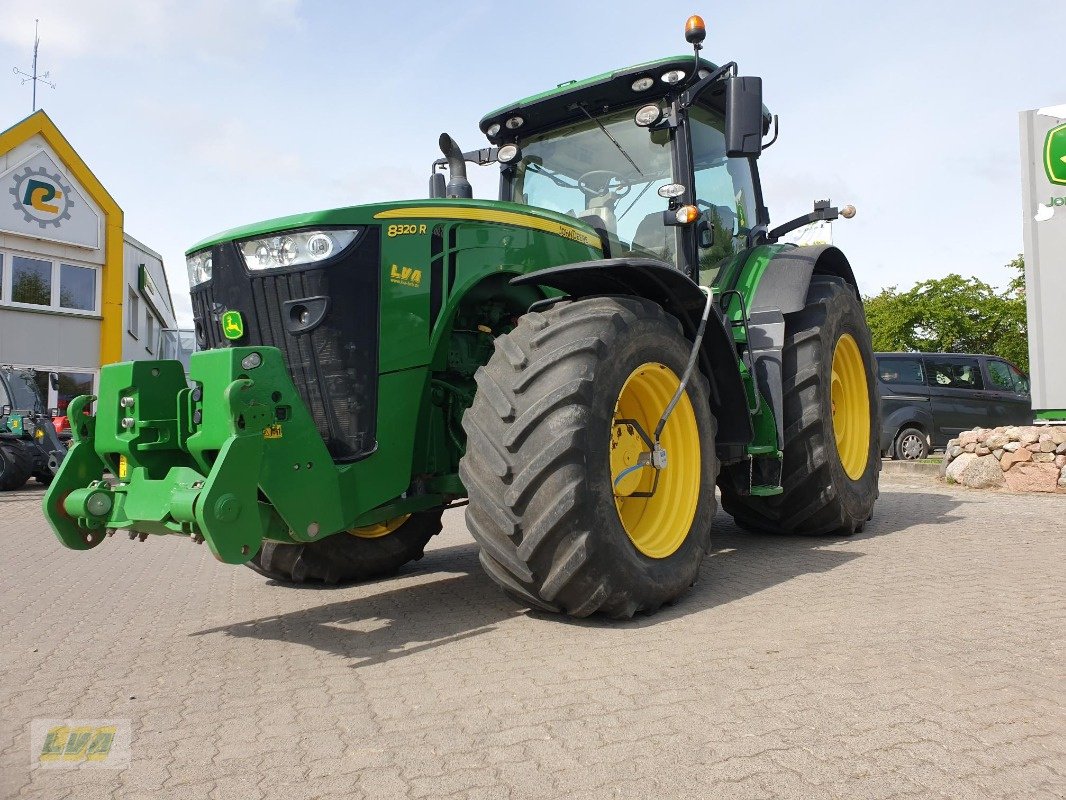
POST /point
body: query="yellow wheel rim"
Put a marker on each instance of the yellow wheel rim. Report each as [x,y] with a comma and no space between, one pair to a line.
[851,407]
[656,525]
[381,529]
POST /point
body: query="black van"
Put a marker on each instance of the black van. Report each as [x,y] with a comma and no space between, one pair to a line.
[929,398]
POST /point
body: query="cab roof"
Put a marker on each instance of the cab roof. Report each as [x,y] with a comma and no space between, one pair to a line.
[562,105]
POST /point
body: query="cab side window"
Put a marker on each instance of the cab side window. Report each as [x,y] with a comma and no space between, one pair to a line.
[961,373]
[725,191]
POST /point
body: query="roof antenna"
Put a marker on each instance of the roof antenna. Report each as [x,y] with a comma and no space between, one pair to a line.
[35,77]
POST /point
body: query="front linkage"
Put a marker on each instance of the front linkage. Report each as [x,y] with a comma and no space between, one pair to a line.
[231,473]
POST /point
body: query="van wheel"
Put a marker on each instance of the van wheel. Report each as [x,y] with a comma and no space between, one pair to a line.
[911,445]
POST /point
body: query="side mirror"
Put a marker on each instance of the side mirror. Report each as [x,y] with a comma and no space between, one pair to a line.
[743,117]
[53,380]
[705,232]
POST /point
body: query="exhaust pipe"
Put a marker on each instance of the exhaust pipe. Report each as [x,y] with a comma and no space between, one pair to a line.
[458,185]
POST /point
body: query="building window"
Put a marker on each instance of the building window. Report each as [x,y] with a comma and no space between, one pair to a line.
[149,331]
[49,284]
[31,281]
[77,287]
[133,310]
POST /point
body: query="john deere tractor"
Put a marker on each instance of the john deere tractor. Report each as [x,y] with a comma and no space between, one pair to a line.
[579,362]
[29,445]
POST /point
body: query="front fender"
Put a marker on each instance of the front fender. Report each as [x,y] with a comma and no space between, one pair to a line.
[679,296]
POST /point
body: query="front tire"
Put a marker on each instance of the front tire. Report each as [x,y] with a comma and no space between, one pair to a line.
[832,416]
[553,426]
[350,557]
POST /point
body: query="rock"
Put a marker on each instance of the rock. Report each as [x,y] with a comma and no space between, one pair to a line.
[1058,434]
[1028,436]
[1047,446]
[955,451]
[1043,458]
[1010,447]
[1010,459]
[982,450]
[998,453]
[955,468]
[1060,461]
[969,437]
[1061,448]
[982,434]
[1062,477]
[1044,436]
[969,448]
[982,473]
[1032,447]
[1012,432]
[1032,478]
[996,440]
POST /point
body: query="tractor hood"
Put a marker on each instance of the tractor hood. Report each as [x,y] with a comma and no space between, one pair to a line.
[514,214]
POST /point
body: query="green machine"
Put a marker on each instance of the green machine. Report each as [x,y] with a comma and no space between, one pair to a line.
[579,362]
[29,444]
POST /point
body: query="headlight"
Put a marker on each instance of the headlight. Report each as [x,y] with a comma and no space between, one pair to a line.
[293,249]
[199,266]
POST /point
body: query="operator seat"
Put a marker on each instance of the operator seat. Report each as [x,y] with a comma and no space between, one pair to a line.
[654,238]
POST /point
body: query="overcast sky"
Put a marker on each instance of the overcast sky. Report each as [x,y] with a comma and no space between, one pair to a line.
[199,115]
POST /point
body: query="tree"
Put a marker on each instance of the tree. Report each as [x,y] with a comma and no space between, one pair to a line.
[954,314]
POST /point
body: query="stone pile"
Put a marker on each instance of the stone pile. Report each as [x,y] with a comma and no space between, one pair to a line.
[1021,458]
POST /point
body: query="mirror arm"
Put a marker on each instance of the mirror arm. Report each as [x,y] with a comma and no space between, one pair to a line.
[776,132]
[689,96]
[822,212]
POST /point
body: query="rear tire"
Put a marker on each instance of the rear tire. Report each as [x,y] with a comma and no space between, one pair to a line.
[16,465]
[544,442]
[819,495]
[347,558]
[910,445]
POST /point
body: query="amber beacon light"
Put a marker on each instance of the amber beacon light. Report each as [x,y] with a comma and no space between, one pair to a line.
[695,30]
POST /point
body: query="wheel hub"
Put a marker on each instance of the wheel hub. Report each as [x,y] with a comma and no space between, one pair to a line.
[850,405]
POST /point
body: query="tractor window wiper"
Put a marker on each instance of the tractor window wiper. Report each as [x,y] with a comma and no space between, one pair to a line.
[550,175]
[607,133]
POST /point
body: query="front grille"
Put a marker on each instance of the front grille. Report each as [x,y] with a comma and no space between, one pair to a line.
[335,365]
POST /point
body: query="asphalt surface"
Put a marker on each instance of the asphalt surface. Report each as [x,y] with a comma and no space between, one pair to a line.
[922,658]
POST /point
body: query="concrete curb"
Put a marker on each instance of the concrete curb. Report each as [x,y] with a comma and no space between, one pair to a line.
[889,467]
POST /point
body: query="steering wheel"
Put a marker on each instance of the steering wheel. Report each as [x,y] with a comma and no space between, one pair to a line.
[599,182]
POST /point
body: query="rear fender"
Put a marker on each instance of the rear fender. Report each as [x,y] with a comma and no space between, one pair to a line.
[681,297]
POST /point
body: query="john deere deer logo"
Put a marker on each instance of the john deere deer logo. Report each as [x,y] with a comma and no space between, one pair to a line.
[232,325]
[1055,155]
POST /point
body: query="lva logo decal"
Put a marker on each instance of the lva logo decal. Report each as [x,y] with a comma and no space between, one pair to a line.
[1055,155]
[42,197]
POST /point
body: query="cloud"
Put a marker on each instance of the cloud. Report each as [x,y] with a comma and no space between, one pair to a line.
[120,29]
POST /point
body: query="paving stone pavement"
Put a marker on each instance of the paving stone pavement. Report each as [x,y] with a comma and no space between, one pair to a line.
[922,658]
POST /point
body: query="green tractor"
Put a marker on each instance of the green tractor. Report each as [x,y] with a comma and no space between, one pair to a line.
[29,444]
[579,362]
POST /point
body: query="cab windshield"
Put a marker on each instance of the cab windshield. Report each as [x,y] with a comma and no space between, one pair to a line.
[578,170]
[24,395]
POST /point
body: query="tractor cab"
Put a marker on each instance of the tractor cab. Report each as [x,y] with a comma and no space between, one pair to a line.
[659,158]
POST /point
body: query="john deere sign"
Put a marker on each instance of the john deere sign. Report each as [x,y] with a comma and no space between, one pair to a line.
[1055,155]
[1044,203]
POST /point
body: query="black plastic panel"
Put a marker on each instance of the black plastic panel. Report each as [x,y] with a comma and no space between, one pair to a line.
[333,362]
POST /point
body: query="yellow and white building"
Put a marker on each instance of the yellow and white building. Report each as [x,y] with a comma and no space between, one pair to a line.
[76,291]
